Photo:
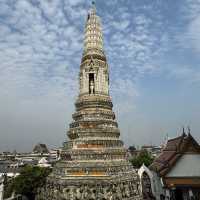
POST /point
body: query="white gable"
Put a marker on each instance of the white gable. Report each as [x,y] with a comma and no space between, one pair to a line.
[187,166]
[43,161]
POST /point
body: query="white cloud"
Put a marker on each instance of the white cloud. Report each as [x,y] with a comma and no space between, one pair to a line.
[187,42]
[194,33]
[40,53]
[38,67]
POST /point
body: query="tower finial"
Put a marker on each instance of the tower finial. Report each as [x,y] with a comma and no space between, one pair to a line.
[189,130]
[94,6]
[183,131]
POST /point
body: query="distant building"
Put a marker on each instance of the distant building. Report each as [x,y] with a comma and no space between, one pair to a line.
[43,162]
[11,163]
[10,168]
[152,149]
[7,155]
[40,149]
[175,173]
[132,152]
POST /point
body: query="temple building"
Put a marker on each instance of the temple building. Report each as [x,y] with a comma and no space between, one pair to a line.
[175,173]
[93,163]
[40,149]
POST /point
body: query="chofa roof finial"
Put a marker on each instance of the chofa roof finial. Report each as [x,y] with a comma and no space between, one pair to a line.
[189,130]
[183,133]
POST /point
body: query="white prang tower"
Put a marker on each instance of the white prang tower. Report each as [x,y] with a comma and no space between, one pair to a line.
[93,163]
[1,187]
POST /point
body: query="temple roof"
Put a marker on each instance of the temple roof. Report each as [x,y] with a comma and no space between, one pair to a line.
[40,148]
[173,151]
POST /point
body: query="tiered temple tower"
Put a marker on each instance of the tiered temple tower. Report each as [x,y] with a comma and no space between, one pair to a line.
[1,187]
[93,163]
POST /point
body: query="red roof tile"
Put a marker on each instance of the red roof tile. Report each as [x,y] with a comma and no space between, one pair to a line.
[174,149]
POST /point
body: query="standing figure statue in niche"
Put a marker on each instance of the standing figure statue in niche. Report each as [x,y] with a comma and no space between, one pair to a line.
[91,87]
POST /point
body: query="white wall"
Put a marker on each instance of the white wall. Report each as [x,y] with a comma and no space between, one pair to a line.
[187,166]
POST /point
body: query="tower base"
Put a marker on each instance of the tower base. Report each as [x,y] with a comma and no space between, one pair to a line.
[123,187]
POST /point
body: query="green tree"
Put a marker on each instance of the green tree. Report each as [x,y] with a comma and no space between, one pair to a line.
[29,180]
[144,157]
[8,187]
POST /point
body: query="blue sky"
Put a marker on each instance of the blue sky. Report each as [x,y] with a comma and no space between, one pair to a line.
[152,47]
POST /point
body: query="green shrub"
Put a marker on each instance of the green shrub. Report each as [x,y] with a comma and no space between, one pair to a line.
[144,157]
[29,180]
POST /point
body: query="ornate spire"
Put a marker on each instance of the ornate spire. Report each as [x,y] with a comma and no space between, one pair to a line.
[93,7]
[93,162]
[94,76]
[93,39]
